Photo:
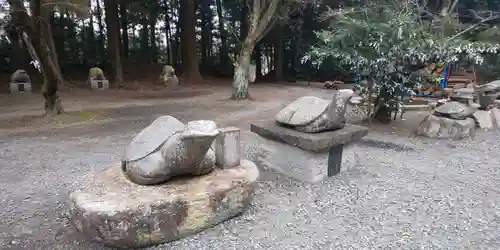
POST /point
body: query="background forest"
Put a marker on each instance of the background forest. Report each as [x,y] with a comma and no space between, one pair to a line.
[287,40]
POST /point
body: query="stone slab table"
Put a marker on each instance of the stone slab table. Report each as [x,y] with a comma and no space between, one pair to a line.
[309,157]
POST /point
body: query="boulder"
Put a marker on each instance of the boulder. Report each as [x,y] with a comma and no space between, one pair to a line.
[442,127]
[118,213]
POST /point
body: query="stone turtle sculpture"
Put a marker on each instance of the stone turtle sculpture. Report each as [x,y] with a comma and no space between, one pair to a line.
[488,93]
[168,76]
[454,110]
[168,148]
[312,114]
[96,74]
[20,76]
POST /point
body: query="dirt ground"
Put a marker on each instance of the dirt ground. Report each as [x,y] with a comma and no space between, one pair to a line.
[24,112]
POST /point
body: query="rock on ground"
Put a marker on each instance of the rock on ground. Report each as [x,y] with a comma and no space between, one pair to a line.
[114,211]
[441,127]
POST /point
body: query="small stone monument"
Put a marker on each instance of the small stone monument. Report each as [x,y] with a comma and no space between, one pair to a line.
[20,82]
[307,138]
[97,80]
[487,94]
[168,76]
[451,120]
[144,202]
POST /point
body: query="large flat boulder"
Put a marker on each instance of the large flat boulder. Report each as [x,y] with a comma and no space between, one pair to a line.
[118,213]
[315,142]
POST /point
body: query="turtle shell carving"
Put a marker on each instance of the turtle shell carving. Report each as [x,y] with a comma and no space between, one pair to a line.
[153,137]
[302,111]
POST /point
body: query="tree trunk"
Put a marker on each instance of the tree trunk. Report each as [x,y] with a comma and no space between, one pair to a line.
[152,32]
[206,31]
[189,46]
[223,52]
[242,67]
[168,32]
[243,22]
[111,8]
[124,21]
[259,25]
[101,28]
[48,16]
[279,62]
[258,60]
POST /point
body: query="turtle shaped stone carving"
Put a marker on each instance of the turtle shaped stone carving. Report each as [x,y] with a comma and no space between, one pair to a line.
[312,114]
[454,110]
[488,93]
[168,148]
[20,76]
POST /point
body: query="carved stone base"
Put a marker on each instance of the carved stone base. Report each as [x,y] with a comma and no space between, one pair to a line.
[441,127]
[118,213]
[99,84]
[305,156]
[19,87]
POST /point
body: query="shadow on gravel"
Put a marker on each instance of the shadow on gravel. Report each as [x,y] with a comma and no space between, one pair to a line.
[384,145]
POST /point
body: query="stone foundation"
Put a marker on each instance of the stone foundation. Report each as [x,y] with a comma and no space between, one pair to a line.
[118,213]
[441,127]
[19,87]
[309,157]
[99,84]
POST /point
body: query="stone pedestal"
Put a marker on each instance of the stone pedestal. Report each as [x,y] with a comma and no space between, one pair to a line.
[19,87]
[99,84]
[309,157]
[441,127]
[118,213]
[227,147]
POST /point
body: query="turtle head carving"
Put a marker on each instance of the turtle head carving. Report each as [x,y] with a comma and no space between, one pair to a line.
[202,130]
[349,96]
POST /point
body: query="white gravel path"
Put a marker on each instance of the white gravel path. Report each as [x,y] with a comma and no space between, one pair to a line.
[405,194]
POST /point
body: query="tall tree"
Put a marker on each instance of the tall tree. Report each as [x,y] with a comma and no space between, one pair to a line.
[124,26]
[111,8]
[261,17]
[190,61]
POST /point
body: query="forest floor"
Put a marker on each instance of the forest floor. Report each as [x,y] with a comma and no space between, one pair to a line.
[406,193]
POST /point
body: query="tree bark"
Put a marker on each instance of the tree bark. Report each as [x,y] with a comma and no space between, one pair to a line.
[258,60]
[124,21]
[101,28]
[34,35]
[190,59]
[152,32]
[223,52]
[111,8]
[279,59]
[241,72]
[168,34]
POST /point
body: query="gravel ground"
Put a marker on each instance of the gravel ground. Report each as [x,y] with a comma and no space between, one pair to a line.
[405,194]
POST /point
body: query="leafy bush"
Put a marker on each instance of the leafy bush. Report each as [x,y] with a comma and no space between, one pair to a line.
[390,44]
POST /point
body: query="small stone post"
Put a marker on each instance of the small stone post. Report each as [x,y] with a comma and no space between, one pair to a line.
[227,148]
